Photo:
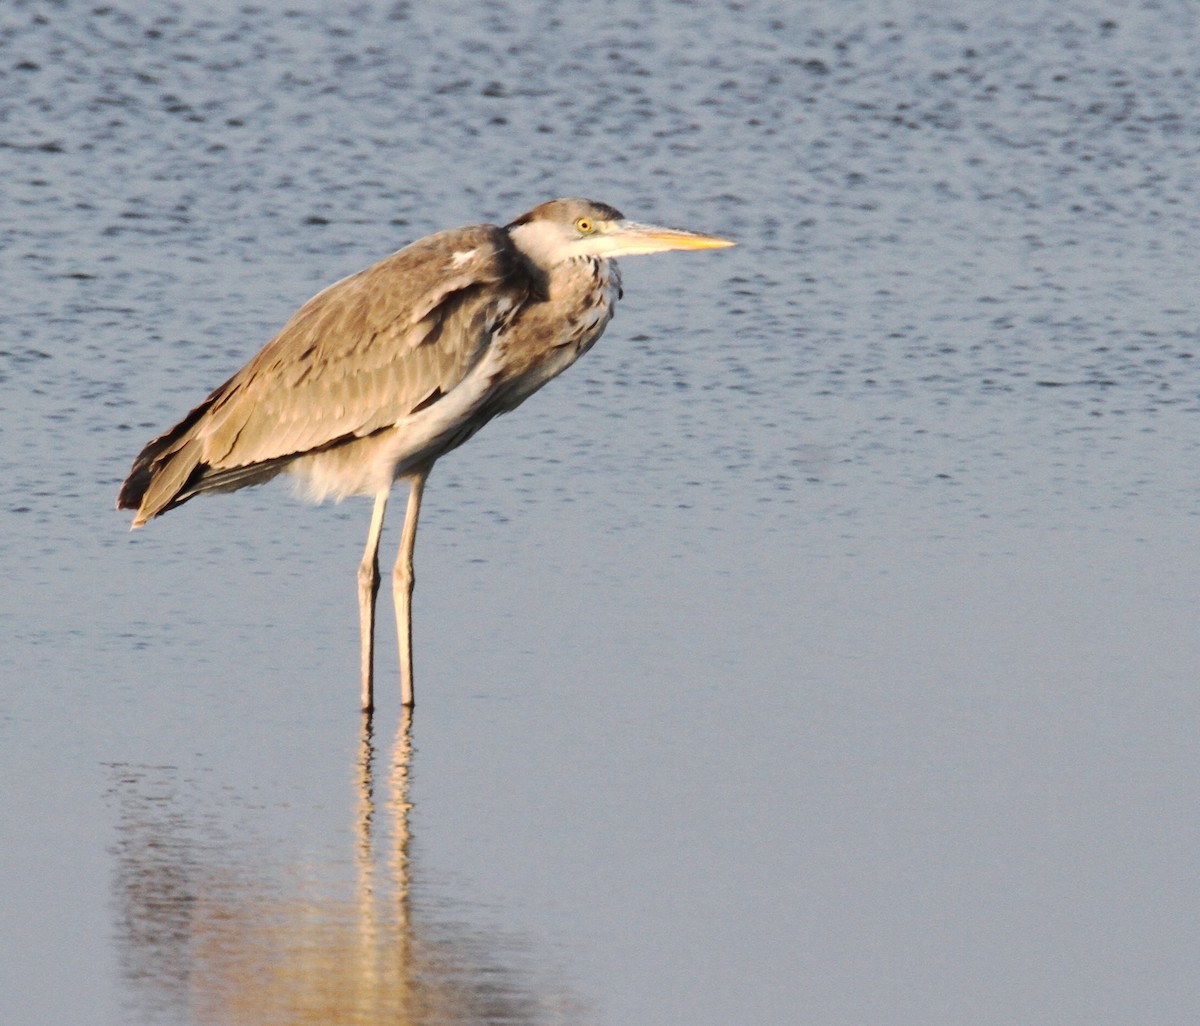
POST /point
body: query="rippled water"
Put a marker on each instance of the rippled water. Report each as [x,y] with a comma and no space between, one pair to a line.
[820,649]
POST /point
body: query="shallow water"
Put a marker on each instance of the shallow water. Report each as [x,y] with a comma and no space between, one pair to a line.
[820,649]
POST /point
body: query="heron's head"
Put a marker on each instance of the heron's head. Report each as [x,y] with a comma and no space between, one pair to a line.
[567,229]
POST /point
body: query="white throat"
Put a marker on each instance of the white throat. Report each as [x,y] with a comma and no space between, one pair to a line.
[543,242]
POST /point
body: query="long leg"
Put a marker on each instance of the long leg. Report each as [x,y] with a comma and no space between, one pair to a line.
[368,588]
[402,586]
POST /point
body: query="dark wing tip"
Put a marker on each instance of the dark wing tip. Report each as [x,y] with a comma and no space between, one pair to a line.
[130,495]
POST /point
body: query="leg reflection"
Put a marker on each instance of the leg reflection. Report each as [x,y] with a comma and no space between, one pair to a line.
[384,916]
[231,911]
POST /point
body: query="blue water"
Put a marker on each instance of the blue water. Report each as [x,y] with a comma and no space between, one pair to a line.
[820,649]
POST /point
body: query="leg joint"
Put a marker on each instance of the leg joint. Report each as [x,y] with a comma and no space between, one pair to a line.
[368,574]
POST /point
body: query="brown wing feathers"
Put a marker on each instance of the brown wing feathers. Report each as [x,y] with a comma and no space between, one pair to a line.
[354,359]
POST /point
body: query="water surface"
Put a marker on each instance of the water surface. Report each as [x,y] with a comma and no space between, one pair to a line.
[820,649]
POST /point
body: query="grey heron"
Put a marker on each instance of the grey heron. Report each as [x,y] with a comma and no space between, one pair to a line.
[383,372]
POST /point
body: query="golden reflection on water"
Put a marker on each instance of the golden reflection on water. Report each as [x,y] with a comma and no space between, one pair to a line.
[209,932]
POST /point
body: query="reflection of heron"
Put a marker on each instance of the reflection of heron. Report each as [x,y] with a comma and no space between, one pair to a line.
[385,922]
[376,377]
[213,928]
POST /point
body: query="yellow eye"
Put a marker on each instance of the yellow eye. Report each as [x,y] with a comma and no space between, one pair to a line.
[584,226]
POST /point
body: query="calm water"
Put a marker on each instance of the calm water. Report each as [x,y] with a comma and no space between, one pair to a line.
[821,649]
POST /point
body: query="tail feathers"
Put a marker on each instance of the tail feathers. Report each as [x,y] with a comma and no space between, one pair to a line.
[158,479]
[161,480]
[165,465]
[171,469]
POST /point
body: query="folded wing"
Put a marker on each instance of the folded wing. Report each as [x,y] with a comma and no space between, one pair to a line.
[355,359]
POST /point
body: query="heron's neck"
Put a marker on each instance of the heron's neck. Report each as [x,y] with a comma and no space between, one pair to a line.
[542,244]
[582,276]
